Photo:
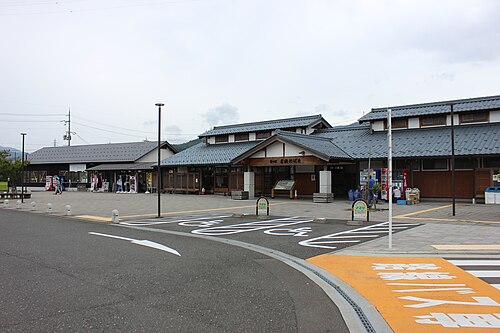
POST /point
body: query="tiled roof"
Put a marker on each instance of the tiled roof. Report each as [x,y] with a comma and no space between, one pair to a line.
[215,154]
[460,105]
[266,125]
[123,166]
[317,144]
[112,152]
[481,139]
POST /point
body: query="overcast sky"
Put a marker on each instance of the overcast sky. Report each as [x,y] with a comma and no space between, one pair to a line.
[215,62]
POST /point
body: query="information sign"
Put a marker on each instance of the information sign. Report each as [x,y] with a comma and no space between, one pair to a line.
[360,210]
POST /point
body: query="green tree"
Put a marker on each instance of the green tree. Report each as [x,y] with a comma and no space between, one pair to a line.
[11,169]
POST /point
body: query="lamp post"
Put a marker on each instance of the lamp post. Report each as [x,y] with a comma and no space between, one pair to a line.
[158,180]
[22,171]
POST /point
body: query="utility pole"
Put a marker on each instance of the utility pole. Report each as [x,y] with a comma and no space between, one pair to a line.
[22,171]
[453,194]
[158,180]
[67,136]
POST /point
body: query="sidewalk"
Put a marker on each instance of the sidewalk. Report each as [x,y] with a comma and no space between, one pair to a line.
[473,224]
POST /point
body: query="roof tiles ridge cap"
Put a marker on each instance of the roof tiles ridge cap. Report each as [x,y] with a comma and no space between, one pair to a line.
[441,103]
[302,135]
[264,122]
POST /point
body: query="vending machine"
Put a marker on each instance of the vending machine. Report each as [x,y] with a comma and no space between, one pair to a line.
[384,184]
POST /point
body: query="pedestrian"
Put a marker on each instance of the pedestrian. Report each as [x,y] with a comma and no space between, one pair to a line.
[396,193]
[371,183]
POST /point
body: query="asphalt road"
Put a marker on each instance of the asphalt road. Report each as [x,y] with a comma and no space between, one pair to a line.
[297,236]
[64,275]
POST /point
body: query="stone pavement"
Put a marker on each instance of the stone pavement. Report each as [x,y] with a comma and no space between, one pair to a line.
[477,224]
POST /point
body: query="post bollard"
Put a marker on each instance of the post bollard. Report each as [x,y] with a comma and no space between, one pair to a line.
[33,205]
[68,210]
[49,208]
[115,216]
[18,204]
[6,204]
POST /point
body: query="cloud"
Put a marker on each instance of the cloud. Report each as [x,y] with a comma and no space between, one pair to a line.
[150,123]
[172,129]
[325,110]
[223,114]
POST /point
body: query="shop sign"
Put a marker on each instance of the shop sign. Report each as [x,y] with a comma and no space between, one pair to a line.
[360,210]
[285,161]
[77,167]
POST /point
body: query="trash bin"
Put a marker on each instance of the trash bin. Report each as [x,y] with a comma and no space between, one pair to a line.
[489,195]
[497,195]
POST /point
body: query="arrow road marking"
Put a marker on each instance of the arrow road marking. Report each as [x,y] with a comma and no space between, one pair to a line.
[143,242]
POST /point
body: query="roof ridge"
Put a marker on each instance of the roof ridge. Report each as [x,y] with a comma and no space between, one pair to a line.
[441,103]
[309,136]
[267,121]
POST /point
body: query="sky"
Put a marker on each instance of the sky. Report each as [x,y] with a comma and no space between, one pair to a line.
[219,62]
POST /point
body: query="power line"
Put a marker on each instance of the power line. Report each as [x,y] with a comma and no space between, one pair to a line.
[33,114]
[31,121]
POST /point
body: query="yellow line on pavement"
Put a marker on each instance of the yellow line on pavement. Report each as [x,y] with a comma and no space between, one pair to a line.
[98,218]
[467,247]
[422,211]
[446,220]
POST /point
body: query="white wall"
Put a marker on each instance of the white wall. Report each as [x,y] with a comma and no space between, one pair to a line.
[413,123]
[259,154]
[378,125]
[495,117]
[211,140]
[456,119]
[231,138]
[275,149]
[152,156]
[251,136]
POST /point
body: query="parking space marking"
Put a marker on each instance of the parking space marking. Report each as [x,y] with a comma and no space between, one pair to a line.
[371,231]
[251,226]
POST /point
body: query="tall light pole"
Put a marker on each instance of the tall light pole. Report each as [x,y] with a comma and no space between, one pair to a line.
[22,171]
[389,171]
[158,178]
[453,194]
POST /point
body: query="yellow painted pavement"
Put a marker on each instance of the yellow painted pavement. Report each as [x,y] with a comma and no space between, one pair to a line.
[413,299]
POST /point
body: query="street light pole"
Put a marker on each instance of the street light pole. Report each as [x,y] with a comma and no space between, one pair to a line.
[22,171]
[158,178]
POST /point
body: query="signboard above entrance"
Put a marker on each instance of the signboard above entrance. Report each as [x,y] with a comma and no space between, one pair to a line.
[283,161]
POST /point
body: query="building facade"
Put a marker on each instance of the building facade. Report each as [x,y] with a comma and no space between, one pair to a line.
[312,153]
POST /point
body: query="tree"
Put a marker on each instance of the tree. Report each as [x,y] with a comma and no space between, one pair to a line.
[11,169]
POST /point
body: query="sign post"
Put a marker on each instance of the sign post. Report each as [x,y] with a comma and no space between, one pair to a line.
[360,211]
[262,204]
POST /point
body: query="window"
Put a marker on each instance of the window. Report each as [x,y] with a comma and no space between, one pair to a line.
[465,163]
[397,123]
[241,137]
[491,162]
[437,164]
[476,117]
[262,135]
[221,177]
[221,138]
[433,120]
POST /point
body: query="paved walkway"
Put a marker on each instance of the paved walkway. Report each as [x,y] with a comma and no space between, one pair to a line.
[473,224]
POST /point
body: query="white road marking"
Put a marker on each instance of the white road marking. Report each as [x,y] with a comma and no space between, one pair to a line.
[474,262]
[143,242]
[251,226]
[297,232]
[371,231]
[484,274]
[496,286]
[181,220]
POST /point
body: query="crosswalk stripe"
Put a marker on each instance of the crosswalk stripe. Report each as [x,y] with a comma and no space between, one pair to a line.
[484,274]
[475,262]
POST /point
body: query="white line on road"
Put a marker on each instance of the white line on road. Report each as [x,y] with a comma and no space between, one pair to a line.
[484,274]
[143,242]
[475,262]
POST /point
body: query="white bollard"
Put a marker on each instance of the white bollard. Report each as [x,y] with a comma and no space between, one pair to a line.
[68,210]
[6,204]
[33,205]
[18,204]
[49,208]
[115,216]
